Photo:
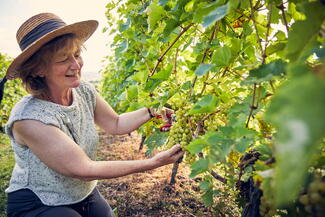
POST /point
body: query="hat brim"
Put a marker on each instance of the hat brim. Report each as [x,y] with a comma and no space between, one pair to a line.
[83,30]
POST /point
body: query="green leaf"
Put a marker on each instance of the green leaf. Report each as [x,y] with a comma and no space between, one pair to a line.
[125,25]
[152,84]
[132,92]
[154,15]
[196,146]
[222,56]
[163,74]
[122,48]
[304,32]
[198,167]
[297,110]
[208,198]
[187,85]
[207,104]
[265,72]
[243,144]
[205,9]
[203,68]
[171,24]
[215,15]
[274,48]
[162,2]
[140,76]
[156,139]
[233,4]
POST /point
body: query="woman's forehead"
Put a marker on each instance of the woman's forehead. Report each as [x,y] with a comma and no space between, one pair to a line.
[68,50]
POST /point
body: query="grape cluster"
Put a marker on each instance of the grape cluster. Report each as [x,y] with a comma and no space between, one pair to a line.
[265,128]
[180,132]
[314,199]
[182,129]
[266,208]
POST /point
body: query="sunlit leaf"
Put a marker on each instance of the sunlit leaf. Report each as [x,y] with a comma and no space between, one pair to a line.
[154,14]
[215,15]
[207,104]
[202,69]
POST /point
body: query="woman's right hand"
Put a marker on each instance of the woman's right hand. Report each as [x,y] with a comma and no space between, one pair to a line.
[169,156]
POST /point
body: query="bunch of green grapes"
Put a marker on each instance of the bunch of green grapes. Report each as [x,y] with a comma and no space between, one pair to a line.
[266,208]
[212,123]
[181,130]
[265,128]
[314,199]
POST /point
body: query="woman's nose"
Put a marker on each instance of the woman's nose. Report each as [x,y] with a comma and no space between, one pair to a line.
[74,63]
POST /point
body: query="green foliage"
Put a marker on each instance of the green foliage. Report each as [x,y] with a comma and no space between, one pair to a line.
[223,65]
[12,93]
[7,162]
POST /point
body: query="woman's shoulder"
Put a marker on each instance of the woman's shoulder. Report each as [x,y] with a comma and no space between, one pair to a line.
[30,106]
[86,87]
[88,93]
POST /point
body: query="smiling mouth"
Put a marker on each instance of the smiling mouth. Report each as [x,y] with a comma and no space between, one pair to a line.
[70,76]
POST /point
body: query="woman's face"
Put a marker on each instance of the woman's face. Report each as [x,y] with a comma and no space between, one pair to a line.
[65,70]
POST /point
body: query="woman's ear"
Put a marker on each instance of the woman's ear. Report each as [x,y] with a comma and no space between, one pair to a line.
[40,74]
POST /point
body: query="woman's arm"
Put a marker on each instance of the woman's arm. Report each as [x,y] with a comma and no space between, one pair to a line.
[60,153]
[115,124]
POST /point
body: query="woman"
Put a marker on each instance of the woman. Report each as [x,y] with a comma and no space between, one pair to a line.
[53,130]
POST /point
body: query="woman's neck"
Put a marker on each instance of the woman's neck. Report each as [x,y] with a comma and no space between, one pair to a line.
[63,97]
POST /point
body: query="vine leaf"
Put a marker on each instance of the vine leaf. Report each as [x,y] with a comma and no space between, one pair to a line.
[125,26]
[304,32]
[265,72]
[122,47]
[154,14]
[156,139]
[196,146]
[163,74]
[132,92]
[203,68]
[207,104]
[215,15]
[300,125]
[222,56]
[198,167]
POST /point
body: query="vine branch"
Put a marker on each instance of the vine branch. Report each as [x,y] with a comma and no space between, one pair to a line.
[281,7]
[160,59]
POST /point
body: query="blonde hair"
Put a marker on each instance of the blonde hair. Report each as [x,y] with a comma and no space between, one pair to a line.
[39,62]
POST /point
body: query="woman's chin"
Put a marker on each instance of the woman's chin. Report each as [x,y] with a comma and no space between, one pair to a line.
[74,82]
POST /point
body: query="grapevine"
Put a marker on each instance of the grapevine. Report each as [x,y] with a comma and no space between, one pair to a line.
[246,82]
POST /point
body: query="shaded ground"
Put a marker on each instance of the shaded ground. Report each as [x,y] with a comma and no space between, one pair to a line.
[148,194]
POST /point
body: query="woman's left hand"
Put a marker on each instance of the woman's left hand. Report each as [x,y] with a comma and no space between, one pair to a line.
[165,114]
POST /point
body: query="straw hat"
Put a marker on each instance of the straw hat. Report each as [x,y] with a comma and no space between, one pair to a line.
[40,29]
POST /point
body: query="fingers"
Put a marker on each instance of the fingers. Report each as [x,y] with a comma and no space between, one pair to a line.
[176,148]
[176,152]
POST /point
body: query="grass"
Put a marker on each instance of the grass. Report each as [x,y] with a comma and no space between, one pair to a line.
[7,162]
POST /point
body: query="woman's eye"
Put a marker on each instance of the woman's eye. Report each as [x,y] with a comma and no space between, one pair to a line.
[62,61]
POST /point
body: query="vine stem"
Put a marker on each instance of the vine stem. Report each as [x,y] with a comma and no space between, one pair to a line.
[160,59]
[281,7]
[252,105]
[143,138]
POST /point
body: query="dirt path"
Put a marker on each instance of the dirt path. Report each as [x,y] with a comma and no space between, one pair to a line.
[147,194]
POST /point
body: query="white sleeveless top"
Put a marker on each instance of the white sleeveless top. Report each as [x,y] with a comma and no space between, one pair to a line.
[77,121]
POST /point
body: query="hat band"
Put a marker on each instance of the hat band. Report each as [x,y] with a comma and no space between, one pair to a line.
[39,31]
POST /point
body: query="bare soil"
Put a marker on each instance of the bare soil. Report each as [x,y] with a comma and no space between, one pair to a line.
[148,193]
